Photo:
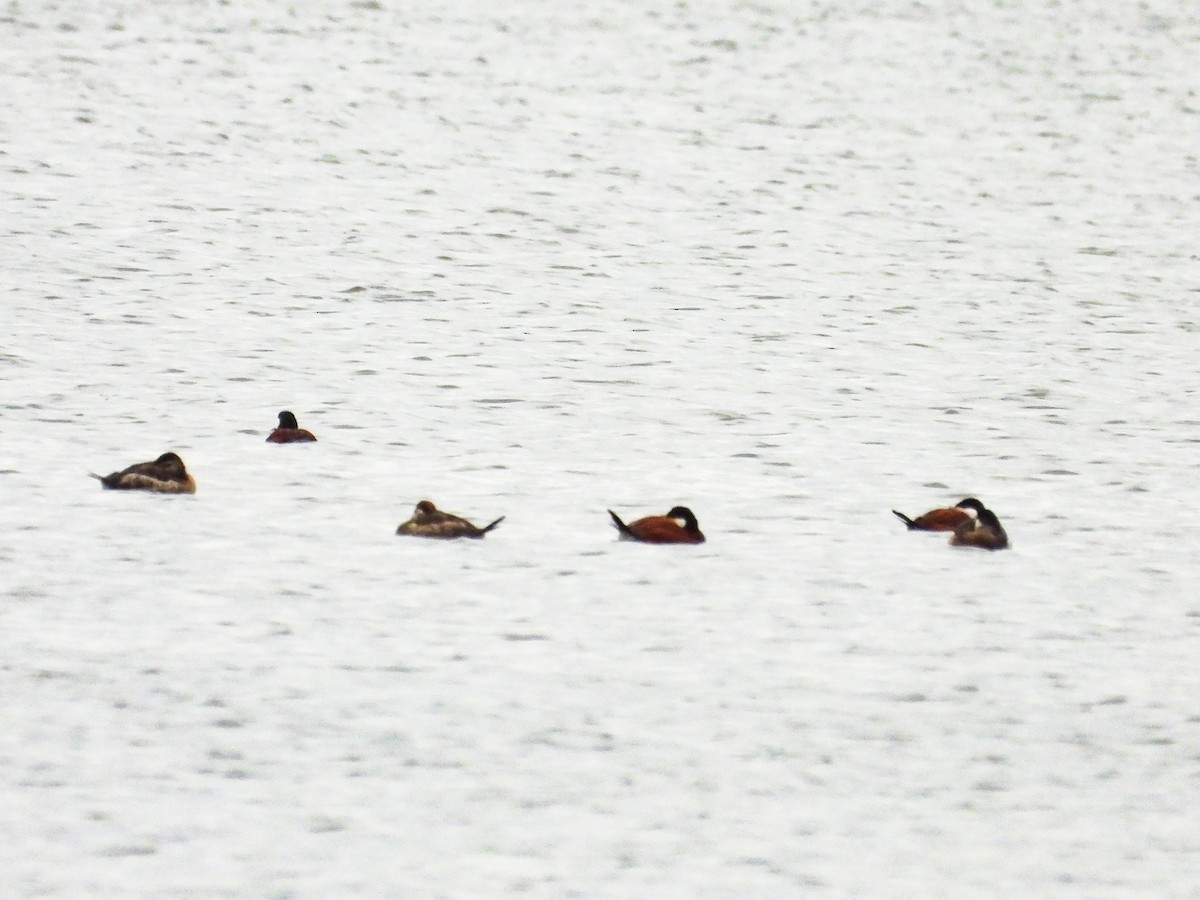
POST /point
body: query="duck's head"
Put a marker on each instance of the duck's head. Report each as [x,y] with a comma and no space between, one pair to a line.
[171,463]
[685,516]
[988,519]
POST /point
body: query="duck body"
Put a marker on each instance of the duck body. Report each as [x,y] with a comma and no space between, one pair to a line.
[166,475]
[679,526]
[984,532]
[946,518]
[289,431]
[430,522]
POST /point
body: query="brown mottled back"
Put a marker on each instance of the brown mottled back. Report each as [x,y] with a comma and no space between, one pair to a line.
[986,533]
[429,521]
[165,475]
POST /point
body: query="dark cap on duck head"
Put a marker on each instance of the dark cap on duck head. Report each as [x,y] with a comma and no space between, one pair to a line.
[685,515]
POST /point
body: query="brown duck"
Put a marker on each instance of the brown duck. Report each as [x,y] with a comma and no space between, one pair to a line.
[984,531]
[679,526]
[946,518]
[429,521]
[289,431]
[166,475]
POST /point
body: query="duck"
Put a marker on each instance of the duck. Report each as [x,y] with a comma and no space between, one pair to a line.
[429,521]
[679,526]
[946,518]
[289,431]
[166,475]
[984,531]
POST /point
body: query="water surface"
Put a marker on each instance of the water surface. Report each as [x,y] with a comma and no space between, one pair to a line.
[790,266]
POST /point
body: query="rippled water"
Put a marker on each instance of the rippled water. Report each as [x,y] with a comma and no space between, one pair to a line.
[790,265]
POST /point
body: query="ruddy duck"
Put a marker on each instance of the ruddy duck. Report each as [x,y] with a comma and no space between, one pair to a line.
[429,521]
[166,475]
[679,526]
[289,431]
[946,518]
[985,531]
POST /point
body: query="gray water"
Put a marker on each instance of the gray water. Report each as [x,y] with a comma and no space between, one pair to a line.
[792,266]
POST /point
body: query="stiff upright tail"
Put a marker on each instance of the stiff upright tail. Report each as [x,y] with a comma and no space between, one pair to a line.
[905,519]
[621,526]
[483,531]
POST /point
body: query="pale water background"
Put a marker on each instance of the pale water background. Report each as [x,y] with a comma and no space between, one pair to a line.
[791,264]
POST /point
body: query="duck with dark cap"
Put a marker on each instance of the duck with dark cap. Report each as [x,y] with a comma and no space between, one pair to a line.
[429,521]
[984,531]
[166,475]
[679,526]
[945,518]
[289,431]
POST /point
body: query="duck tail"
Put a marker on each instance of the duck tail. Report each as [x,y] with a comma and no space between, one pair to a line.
[485,530]
[621,526]
[905,519]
